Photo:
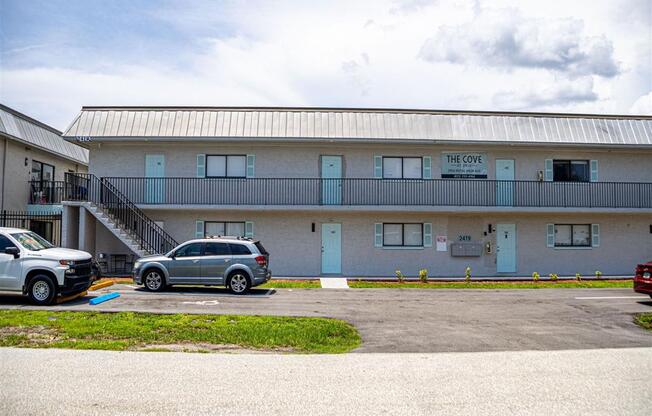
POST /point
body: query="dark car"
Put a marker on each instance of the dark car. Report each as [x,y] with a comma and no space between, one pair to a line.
[643,278]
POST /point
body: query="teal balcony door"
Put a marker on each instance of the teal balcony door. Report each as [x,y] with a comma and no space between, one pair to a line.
[331,183]
[154,184]
[505,182]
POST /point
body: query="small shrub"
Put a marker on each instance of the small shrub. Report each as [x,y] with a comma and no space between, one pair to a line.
[535,276]
[399,276]
[578,277]
[423,275]
[467,277]
[553,277]
[598,274]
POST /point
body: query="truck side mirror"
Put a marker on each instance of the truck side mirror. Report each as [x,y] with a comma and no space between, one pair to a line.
[13,251]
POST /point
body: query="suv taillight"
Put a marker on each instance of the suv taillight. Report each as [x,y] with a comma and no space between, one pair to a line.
[261,260]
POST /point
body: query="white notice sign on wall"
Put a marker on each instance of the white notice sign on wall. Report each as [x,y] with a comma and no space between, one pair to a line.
[441,243]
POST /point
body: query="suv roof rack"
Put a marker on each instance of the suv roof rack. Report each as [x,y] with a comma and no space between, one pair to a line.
[230,237]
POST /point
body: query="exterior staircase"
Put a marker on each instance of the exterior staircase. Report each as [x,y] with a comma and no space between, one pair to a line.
[118,214]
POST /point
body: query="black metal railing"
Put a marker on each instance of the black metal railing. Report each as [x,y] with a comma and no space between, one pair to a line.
[391,192]
[46,192]
[89,188]
[47,225]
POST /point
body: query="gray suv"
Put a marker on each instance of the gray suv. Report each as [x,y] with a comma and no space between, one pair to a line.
[235,262]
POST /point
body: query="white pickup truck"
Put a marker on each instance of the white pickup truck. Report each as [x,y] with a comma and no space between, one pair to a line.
[29,264]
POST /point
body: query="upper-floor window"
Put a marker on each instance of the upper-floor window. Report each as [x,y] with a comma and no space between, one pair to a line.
[572,235]
[402,167]
[403,235]
[42,171]
[571,171]
[216,228]
[226,166]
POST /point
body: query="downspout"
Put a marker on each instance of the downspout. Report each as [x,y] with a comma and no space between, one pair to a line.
[4,175]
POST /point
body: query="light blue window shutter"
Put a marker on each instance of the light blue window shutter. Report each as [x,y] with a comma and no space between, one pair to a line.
[594,171]
[378,231]
[199,229]
[595,235]
[550,240]
[378,167]
[251,163]
[548,170]
[427,167]
[249,229]
[201,166]
[427,234]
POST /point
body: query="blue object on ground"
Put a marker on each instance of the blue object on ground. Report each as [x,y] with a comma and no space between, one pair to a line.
[104,298]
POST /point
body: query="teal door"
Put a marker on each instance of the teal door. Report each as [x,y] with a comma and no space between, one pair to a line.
[331,179]
[506,248]
[504,182]
[331,248]
[154,187]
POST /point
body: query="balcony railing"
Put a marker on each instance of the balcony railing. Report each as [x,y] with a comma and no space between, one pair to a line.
[388,192]
[46,192]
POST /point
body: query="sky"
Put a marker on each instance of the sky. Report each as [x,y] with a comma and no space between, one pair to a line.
[589,56]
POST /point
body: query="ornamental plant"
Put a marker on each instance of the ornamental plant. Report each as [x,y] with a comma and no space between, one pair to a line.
[423,275]
[467,277]
[399,276]
[578,277]
[535,276]
[598,274]
[553,277]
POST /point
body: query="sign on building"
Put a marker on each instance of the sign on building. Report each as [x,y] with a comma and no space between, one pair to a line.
[464,165]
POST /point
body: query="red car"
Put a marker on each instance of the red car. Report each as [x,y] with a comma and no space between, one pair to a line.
[643,278]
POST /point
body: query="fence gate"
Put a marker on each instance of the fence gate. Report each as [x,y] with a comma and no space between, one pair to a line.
[47,226]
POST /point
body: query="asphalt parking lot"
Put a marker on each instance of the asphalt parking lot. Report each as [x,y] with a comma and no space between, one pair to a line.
[418,320]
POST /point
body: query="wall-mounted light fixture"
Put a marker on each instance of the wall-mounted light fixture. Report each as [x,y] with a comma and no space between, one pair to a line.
[26,161]
[312,227]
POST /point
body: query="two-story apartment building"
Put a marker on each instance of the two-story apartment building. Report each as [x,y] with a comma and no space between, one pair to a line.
[365,192]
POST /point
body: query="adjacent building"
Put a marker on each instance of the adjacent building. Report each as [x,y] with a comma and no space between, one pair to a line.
[366,192]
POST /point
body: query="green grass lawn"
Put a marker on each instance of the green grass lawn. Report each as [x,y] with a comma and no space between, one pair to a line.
[644,320]
[362,284]
[145,331]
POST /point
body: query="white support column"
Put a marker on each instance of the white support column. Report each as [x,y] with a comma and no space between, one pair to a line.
[86,231]
[70,227]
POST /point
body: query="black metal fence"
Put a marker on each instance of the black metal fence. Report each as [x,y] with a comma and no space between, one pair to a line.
[406,192]
[47,225]
[46,192]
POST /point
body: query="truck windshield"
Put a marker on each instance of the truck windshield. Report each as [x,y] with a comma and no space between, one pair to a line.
[32,241]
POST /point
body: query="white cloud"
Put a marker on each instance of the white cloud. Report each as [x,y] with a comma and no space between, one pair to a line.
[560,94]
[504,38]
[643,105]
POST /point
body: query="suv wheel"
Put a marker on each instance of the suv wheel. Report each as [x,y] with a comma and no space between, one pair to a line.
[239,283]
[154,280]
[41,290]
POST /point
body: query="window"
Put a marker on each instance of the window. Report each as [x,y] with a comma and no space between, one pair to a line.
[32,241]
[4,243]
[403,235]
[572,235]
[216,249]
[571,171]
[217,228]
[190,250]
[226,166]
[402,168]
[239,249]
[42,171]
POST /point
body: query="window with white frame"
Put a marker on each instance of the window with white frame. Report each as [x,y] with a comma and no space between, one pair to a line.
[226,166]
[403,235]
[395,167]
[571,171]
[572,235]
[230,228]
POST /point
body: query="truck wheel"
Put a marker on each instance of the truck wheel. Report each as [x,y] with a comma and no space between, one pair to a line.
[154,280]
[41,290]
[239,283]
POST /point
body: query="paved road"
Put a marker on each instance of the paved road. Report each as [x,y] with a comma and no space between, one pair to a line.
[426,320]
[66,382]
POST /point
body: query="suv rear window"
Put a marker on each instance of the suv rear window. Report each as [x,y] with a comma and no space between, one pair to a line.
[260,248]
[239,249]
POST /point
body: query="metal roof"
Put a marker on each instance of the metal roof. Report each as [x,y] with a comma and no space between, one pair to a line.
[27,130]
[360,125]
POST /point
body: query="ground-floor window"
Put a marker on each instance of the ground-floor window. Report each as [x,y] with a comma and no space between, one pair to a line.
[230,228]
[403,235]
[572,235]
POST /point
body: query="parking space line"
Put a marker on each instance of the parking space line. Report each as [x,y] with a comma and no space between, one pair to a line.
[224,295]
[610,297]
